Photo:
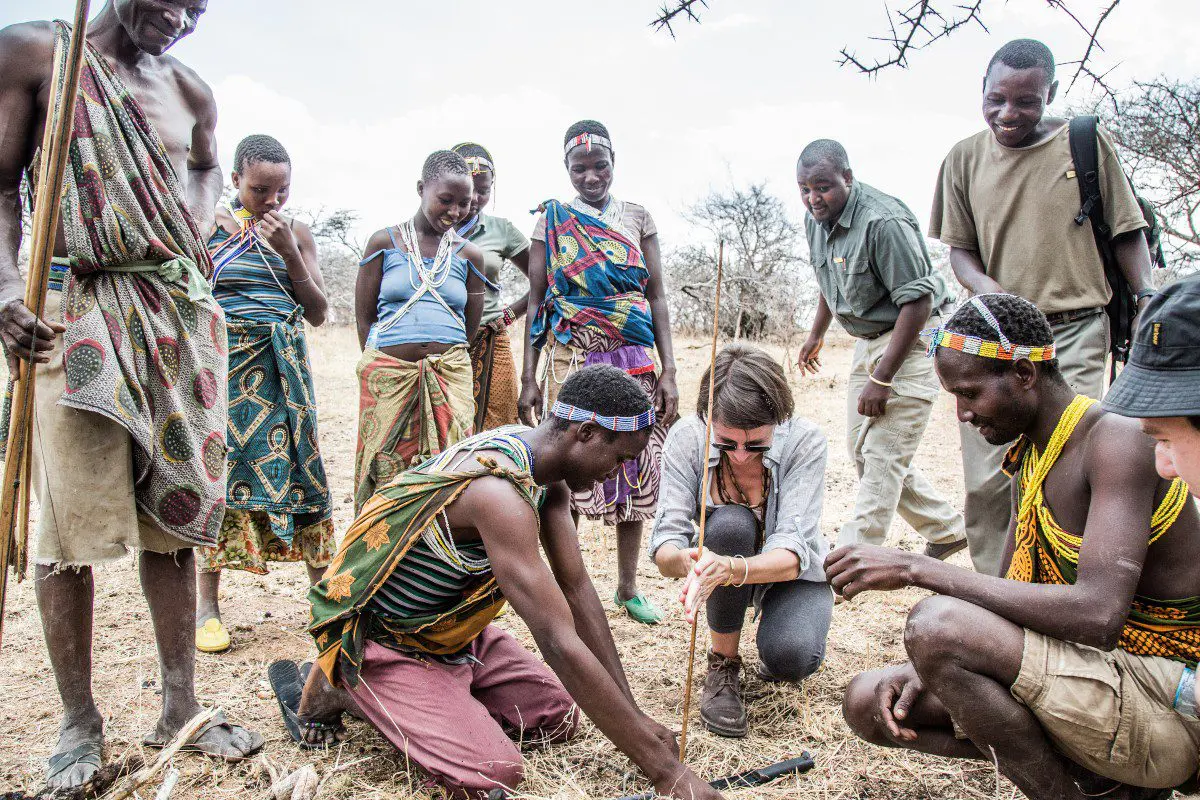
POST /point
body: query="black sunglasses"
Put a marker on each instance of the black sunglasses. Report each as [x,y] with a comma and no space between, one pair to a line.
[726,447]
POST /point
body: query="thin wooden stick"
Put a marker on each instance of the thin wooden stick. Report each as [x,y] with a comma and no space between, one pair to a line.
[712,380]
[56,146]
[127,787]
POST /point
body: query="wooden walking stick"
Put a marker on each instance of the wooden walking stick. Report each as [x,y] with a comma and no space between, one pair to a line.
[56,145]
[712,360]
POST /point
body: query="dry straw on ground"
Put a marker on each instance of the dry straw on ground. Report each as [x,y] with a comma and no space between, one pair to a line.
[267,617]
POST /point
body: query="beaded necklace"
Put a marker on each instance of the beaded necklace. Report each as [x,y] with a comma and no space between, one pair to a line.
[743,498]
[434,275]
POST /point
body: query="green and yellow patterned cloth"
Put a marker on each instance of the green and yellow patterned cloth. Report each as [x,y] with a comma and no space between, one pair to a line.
[396,517]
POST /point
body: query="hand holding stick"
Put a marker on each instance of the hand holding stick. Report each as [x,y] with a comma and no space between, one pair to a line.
[56,146]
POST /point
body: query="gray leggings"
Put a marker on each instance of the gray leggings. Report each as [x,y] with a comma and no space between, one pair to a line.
[795,614]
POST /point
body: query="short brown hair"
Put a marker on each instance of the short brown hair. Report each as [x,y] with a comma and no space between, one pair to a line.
[751,390]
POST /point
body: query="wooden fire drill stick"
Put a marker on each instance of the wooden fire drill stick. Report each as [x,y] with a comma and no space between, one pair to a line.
[712,360]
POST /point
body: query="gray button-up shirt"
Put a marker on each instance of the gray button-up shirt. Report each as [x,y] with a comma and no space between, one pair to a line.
[793,516]
[872,261]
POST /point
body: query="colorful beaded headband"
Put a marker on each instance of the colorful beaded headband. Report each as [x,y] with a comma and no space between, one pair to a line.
[621,424]
[479,165]
[1003,350]
[588,140]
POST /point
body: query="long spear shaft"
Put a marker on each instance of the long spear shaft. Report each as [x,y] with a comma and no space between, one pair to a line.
[56,141]
[712,380]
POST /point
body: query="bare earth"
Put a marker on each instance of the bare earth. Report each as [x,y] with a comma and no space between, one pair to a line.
[267,617]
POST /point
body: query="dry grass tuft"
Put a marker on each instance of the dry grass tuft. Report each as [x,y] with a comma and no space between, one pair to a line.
[267,617]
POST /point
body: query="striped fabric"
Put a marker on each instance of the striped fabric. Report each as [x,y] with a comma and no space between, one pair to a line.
[253,283]
[424,584]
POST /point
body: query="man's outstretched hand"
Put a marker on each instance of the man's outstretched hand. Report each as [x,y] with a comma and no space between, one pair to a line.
[863,567]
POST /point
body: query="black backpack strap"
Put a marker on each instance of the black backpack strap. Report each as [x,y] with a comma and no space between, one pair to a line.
[1085,152]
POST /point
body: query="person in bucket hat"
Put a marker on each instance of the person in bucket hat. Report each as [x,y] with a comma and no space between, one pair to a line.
[1161,386]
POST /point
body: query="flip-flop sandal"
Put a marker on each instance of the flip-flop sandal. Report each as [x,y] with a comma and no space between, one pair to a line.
[89,754]
[219,720]
[288,685]
[212,637]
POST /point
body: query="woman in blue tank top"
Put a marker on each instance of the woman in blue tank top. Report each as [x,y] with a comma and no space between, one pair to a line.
[417,302]
[268,282]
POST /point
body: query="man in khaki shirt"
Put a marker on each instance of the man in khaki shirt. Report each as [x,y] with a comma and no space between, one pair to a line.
[1005,203]
[875,277]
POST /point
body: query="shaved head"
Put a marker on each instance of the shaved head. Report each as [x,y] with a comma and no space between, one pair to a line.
[824,150]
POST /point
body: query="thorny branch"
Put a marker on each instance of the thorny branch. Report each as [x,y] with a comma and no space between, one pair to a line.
[670,11]
[920,24]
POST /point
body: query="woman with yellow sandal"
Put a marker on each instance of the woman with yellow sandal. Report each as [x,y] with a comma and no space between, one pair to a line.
[269,283]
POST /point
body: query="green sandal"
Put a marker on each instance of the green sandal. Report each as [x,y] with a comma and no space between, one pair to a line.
[640,608]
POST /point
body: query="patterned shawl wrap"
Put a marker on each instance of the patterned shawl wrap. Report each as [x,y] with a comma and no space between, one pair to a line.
[407,412]
[597,279]
[145,341]
[389,525]
[1047,553]
[274,459]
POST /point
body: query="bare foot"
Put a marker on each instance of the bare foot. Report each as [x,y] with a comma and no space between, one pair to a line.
[77,756]
[219,738]
[321,709]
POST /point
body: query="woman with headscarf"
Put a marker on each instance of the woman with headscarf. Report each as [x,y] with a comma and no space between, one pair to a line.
[596,274]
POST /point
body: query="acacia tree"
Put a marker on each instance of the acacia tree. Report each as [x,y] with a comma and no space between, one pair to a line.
[767,287]
[1157,132]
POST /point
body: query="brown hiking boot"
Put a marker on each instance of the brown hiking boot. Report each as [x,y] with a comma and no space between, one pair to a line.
[943,551]
[721,706]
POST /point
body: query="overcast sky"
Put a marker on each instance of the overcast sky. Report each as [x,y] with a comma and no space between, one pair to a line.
[360,91]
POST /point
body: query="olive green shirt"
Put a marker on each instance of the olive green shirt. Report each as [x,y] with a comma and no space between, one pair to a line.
[872,261]
[499,239]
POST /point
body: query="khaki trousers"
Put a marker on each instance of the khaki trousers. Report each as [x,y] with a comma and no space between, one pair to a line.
[882,449]
[1082,353]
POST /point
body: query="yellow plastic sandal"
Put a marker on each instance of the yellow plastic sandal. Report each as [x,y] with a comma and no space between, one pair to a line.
[212,637]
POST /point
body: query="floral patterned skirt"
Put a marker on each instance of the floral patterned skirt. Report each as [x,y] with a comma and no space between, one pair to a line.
[246,542]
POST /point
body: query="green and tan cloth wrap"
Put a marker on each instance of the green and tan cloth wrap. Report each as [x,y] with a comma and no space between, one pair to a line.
[391,522]
[145,341]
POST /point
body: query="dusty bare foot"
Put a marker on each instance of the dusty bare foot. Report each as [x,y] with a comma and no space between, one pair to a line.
[321,709]
[78,754]
[219,738]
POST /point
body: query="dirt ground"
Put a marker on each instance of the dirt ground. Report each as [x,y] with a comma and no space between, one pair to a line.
[267,615]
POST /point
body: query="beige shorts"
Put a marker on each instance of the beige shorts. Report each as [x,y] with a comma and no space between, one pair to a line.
[83,478]
[1111,712]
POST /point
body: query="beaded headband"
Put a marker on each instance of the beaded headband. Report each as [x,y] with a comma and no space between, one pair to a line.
[620,424]
[1003,349]
[588,140]
[479,164]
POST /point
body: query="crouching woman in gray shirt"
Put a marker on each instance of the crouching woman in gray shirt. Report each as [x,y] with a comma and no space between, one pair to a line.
[762,543]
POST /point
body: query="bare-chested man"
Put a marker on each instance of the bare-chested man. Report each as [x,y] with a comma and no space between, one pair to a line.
[129,450]
[1068,671]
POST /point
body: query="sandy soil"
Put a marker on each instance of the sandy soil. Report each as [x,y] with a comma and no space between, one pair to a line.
[267,617]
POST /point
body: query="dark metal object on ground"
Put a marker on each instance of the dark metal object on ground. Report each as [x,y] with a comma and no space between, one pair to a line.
[755,777]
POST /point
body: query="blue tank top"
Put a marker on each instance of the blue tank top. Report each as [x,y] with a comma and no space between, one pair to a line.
[426,320]
[254,285]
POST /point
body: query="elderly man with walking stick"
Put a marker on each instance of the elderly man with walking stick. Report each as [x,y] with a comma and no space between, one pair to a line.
[129,414]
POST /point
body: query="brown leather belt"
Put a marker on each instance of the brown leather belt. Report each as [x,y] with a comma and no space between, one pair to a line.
[1063,317]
